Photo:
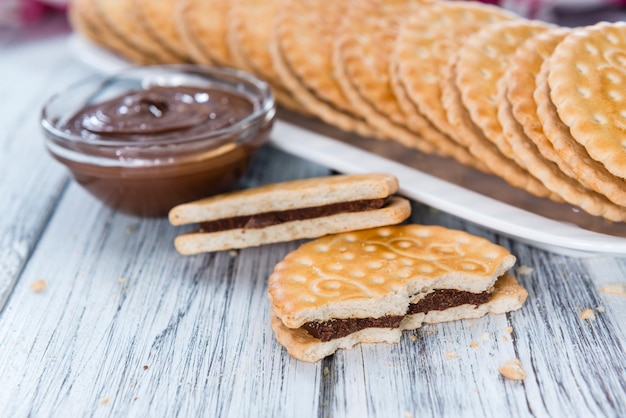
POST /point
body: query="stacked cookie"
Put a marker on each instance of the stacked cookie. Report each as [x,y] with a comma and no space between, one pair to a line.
[533,103]
[371,285]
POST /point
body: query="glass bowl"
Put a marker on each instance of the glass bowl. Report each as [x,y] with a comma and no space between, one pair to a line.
[149,138]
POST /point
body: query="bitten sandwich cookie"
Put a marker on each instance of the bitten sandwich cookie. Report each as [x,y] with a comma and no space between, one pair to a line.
[368,286]
[289,211]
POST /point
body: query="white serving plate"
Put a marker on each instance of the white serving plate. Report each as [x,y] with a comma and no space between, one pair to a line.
[438,182]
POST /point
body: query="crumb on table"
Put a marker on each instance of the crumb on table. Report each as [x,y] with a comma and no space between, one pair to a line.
[38,285]
[512,369]
[587,314]
[614,289]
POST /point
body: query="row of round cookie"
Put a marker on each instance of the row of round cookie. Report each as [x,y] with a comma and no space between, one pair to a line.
[459,81]
[370,66]
[376,60]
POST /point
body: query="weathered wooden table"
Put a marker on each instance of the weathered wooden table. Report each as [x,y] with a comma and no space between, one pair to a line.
[125,326]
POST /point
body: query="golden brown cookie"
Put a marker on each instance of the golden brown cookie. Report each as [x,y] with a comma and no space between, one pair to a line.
[370,285]
[481,62]
[587,171]
[156,18]
[516,91]
[520,80]
[471,136]
[119,17]
[587,75]
[85,20]
[203,26]
[301,51]
[82,20]
[251,23]
[426,41]
[362,46]
[369,29]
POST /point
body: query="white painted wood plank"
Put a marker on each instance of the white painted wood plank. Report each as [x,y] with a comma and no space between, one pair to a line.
[30,181]
[574,367]
[129,326]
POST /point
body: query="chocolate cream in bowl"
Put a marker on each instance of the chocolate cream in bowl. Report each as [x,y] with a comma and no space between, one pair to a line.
[144,150]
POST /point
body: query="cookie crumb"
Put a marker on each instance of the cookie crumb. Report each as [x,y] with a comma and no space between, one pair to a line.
[326,371]
[506,338]
[485,336]
[588,314]
[618,289]
[38,286]
[450,355]
[145,367]
[105,400]
[600,309]
[232,253]
[469,324]
[473,344]
[523,270]
[135,398]
[408,415]
[508,330]
[512,369]
[413,338]
[121,279]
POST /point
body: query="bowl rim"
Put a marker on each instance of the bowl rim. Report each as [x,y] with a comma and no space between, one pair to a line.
[264,106]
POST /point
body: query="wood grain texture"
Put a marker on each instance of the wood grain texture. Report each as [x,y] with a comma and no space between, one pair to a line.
[34,64]
[128,327]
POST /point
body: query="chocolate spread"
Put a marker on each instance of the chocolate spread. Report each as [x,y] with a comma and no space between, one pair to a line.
[160,113]
[266,219]
[438,300]
[157,146]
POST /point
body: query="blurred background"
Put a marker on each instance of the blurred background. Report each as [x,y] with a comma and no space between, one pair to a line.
[16,13]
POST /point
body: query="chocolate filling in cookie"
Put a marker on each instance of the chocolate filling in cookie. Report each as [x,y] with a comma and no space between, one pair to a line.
[266,219]
[438,300]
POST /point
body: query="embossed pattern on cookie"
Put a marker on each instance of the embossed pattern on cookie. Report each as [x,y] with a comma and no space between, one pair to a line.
[520,83]
[390,263]
[361,53]
[520,79]
[481,62]
[591,100]
[589,172]
[480,146]
[251,24]
[427,40]
[301,51]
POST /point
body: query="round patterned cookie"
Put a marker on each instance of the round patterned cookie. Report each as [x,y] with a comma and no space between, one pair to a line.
[587,76]
[516,92]
[482,61]
[301,50]
[361,51]
[119,16]
[427,40]
[156,19]
[85,19]
[589,172]
[203,26]
[479,146]
[250,27]
[374,272]
[520,81]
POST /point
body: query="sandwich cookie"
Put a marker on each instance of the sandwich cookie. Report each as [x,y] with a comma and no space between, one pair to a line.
[369,286]
[288,211]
